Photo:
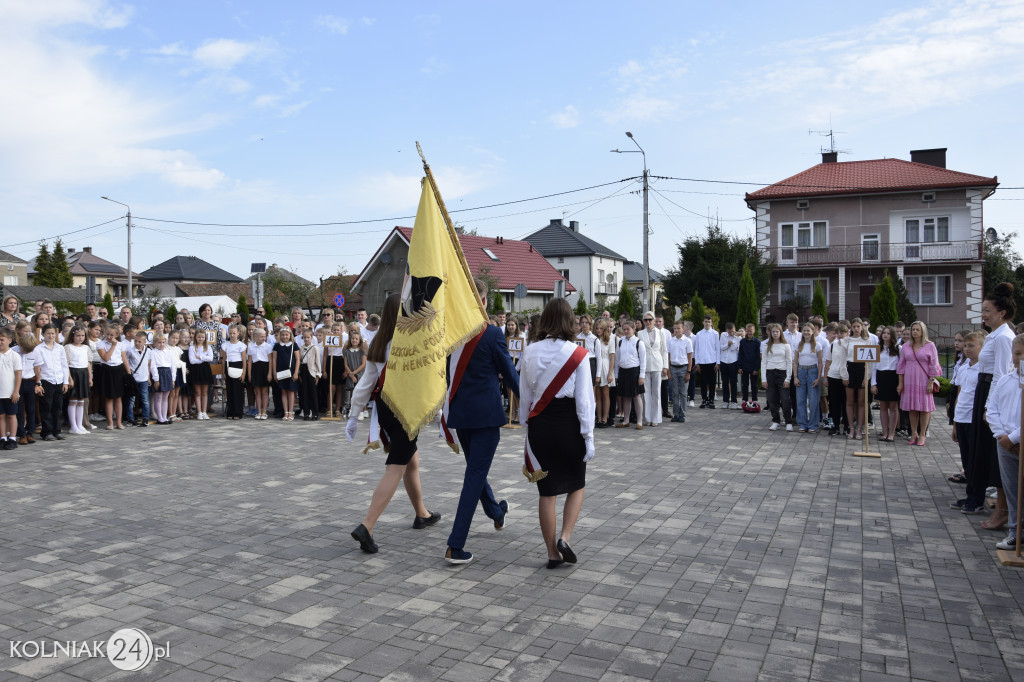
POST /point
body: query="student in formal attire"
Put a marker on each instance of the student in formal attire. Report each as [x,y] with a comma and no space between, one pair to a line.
[371,327]
[630,359]
[707,351]
[729,355]
[885,384]
[10,390]
[776,375]
[353,364]
[115,369]
[80,383]
[589,340]
[163,378]
[1003,416]
[475,411]
[748,363]
[200,355]
[284,364]
[604,379]
[177,375]
[403,461]
[53,383]
[835,359]
[807,373]
[918,370]
[691,388]
[853,377]
[680,361]
[973,501]
[310,371]
[557,410]
[655,370]
[140,363]
[30,364]
[259,373]
[236,356]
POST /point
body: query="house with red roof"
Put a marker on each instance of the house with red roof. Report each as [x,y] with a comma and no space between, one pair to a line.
[510,261]
[846,224]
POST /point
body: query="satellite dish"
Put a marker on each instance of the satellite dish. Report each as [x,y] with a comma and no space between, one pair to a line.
[385,259]
[991,236]
[609,278]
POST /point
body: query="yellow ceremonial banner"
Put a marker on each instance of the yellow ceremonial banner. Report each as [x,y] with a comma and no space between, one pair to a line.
[440,312]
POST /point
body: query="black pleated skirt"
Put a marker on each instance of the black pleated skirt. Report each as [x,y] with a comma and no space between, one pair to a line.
[259,374]
[80,391]
[887,380]
[111,382]
[199,374]
[401,449]
[558,445]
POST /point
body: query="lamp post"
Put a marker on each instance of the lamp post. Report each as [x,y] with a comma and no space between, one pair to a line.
[129,223]
[648,299]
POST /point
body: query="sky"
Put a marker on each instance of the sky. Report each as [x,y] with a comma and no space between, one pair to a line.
[266,118]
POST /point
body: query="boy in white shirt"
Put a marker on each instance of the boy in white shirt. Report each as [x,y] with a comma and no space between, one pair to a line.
[680,359]
[706,357]
[140,361]
[10,391]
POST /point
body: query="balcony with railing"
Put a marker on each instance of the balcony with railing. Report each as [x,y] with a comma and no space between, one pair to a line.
[606,288]
[877,253]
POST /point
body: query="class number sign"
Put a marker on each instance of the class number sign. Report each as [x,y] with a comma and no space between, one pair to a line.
[332,341]
[515,344]
[867,353]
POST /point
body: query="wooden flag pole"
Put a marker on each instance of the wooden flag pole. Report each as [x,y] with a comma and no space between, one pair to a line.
[867,355]
[331,415]
[1007,557]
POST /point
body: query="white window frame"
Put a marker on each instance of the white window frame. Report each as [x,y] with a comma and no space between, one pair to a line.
[923,228]
[800,226]
[916,287]
[871,237]
[802,281]
[10,280]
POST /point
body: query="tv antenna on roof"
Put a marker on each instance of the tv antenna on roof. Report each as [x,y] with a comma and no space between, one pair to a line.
[831,135]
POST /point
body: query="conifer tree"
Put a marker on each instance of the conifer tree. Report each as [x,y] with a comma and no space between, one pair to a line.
[904,308]
[697,312]
[170,314]
[746,306]
[625,304]
[43,266]
[581,305]
[108,303]
[60,271]
[497,303]
[883,304]
[242,308]
[818,304]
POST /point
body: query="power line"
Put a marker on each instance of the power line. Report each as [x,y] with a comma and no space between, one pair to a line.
[701,215]
[36,241]
[191,236]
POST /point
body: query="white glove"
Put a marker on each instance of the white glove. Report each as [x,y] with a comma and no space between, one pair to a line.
[350,428]
[590,450]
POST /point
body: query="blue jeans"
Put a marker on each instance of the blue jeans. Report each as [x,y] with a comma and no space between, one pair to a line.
[808,398]
[679,386]
[142,388]
[478,446]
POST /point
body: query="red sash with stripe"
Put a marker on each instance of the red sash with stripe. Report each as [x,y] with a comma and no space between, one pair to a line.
[531,467]
[460,359]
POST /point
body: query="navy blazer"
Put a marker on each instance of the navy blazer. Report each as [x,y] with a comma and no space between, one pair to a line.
[477,403]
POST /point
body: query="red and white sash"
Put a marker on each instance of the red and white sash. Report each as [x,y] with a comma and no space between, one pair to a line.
[376,437]
[459,362]
[554,377]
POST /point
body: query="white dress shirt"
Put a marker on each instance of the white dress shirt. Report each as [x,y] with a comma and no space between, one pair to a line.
[629,353]
[260,352]
[679,351]
[706,348]
[10,362]
[968,378]
[54,364]
[1003,408]
[729,346]
[886,361]
[537,358]
[996,356]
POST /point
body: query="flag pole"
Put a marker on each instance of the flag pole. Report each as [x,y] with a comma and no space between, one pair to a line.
[448,224]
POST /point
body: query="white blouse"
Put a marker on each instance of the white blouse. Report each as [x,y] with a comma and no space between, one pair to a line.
[260,352]
[537,358]
[996,356]
[235,352]
[78,356]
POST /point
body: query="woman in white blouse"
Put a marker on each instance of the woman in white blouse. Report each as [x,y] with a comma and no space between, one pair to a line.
[559,423]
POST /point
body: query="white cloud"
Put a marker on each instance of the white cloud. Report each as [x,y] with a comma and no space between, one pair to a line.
[172,50]
[264,101]
[333,24]
[223,54]
[650,91]
[293,109]
[64,123]
[29,16]
[393,192]
[566,118]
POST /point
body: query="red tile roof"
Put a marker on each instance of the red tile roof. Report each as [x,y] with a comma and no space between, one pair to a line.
[868,177]
[518,262]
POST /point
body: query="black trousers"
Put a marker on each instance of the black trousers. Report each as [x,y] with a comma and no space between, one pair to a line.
[837,403]
[308,392]
[749,383]
[234,393]
[729,382]
[275,391]
[777,393]
[691,390]
[707,382]
[50,404]
[664,396]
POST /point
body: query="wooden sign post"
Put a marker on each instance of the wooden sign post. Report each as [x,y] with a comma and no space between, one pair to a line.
[516,345]
[867,355]
[1007,557]
[331,341]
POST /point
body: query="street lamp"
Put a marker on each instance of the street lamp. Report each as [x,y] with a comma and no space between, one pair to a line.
[649,303]
[129,222]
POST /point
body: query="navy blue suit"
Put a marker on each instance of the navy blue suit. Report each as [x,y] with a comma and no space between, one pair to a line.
[477,415]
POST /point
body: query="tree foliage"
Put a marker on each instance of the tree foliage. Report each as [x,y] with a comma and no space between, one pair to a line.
[904,308]
[108,303]
[242,307]
[581,305]
[42,266]
[883,304]
[746,306]
[171,314]
[60,271]
[1004,264]
[626,305]
[150,300]
[696,314]
[819,306]
[714,264]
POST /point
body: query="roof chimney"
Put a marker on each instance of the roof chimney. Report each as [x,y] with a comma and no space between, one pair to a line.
[829,157]
[87,249]
[574,225]
[556,221]
[71,250]
[930,157]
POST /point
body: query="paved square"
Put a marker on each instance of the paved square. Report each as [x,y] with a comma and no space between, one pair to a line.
[708,550]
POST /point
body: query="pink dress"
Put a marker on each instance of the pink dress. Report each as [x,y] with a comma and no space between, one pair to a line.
[917,369]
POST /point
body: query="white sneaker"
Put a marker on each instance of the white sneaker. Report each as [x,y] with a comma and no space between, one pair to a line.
[773,427]
[1010,542]
[96,417]
[691,403]
[789,427]
[361,415]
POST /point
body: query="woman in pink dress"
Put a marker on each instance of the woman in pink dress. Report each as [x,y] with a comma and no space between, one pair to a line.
[917,370]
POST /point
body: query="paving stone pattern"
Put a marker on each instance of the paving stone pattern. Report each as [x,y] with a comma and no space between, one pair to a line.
[713,549]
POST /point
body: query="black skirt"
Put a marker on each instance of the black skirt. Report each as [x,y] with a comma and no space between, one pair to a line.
[984,463]
[199,374]
[259,374]
[165,377]
[888,380]
[337,367]
[112,382]
[856,372]
[401,449]
[628,383]
[80,391]
[559,447]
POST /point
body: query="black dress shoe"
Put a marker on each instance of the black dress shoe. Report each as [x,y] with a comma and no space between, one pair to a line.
[365,540]
[500,523]
[554,563]
[565,551]
[58,436]
[48,437]
[422,522]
